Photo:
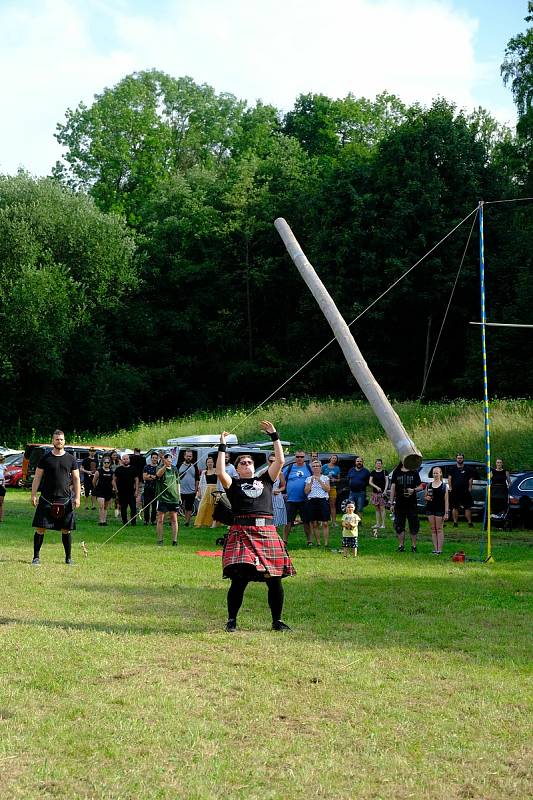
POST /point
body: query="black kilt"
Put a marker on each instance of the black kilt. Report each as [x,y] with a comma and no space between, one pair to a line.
[43,516]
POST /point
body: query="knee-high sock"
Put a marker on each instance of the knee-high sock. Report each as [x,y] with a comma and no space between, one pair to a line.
[275,597]
[235,595]
[66,538]
[38,539]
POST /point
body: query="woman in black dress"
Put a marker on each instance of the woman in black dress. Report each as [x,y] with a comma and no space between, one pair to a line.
[253,550]
[437,509]
[103,489]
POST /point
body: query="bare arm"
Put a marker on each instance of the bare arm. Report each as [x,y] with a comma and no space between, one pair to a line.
[96,476]
[36,482]
[222,475]
[275,468]
[308,485]
[76,486]
[446,501]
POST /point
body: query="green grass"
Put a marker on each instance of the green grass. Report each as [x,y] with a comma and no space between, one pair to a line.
[438,429]
[405,675]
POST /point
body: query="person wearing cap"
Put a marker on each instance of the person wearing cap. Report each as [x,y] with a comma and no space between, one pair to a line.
[89,466]
[253,550]
[168,498]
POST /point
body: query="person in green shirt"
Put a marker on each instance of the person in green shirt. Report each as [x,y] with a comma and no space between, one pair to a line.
[168,498]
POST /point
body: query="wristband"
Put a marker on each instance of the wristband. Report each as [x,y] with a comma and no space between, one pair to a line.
[221,448]
[274,436]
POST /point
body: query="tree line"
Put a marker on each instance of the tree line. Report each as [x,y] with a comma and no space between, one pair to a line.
[144,278]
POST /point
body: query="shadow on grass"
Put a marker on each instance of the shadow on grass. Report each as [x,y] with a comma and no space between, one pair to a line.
[485,620]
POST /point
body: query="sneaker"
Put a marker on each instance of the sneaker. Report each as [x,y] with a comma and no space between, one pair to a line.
[160,544]
[401,548]
[36,562]
[470,524]
[309,544]
[455,524]
[69,561]
[413,548]
[174,544]
[102,524]
[230,626]
[434,552]
[383,526]
[280,626]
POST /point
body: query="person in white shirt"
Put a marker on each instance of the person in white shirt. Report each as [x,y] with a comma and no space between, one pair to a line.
[317,488]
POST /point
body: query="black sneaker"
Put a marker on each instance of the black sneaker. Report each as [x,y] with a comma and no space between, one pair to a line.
[69,561]
[36,562]
[230,626]
[401,548]
[413,548]
[174,544]
[280,626]
[470,524]
[455,525]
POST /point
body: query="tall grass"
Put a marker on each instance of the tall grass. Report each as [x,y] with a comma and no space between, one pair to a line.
[439,429]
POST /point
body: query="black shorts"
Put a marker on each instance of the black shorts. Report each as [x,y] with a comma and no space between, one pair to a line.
[43,517]
[187,501]
[88,487]
[350,541]
[294,508]
[406,514]
[461,499]
[165,508]
[2,491]
[318,509]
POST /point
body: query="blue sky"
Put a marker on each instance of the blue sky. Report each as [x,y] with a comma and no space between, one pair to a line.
[56,53]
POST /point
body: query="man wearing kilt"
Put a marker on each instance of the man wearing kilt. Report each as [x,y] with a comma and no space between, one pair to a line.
[54,509]
[253,549]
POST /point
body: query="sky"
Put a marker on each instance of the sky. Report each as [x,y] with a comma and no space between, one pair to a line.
[58,53]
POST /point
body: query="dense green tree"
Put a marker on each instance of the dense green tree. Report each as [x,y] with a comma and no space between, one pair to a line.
[64,266]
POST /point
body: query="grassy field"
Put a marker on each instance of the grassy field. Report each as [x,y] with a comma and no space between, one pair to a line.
[438,429]
[406,675]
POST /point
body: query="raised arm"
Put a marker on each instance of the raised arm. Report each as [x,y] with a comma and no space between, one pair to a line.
[275,468]
[222,475]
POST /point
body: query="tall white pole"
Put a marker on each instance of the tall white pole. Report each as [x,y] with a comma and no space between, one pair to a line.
[406,448]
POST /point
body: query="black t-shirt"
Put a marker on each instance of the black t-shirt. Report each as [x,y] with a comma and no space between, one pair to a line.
[138,463]
[150,469]
[57,475]
[404,481]
[379,479]
[251,496]
[125,478]
[498,477]
[460,478]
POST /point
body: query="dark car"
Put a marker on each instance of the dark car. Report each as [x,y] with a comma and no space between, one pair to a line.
[34,452]
[521,498]
[345,462]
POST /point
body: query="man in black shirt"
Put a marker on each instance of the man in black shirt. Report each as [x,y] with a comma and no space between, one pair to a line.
[404,485]
[126,485]
[460,479]
[54,474]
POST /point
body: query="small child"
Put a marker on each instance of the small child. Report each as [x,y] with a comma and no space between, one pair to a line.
[350,524]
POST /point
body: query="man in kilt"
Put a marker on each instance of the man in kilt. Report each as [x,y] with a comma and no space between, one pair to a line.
[54,509]
[253,549]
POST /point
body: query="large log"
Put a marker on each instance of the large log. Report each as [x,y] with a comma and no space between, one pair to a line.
[407,451]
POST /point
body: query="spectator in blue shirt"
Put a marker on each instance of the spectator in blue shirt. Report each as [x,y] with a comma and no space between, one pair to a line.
[295,476]
[358,478]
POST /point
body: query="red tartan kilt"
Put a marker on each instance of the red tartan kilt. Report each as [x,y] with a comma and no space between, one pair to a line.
[258,553]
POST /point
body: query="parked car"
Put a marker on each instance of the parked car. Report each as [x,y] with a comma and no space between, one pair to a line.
[479,484]
[345,462]
[13,470]
[521,498]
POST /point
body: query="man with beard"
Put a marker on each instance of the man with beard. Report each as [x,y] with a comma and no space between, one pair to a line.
[460,478]
[54,510]
[189,479]
[126,485]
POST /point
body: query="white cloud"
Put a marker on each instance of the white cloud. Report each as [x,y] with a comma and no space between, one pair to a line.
[58,53]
